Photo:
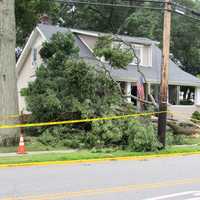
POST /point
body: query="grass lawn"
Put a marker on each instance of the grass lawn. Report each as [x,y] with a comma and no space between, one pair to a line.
[86,154]
[31,145]
[34,145]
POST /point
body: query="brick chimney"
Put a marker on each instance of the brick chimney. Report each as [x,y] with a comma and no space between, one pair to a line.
[44,19]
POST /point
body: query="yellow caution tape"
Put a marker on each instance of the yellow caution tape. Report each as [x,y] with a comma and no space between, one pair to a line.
[78,121]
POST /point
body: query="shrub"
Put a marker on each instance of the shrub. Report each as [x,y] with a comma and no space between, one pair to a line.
[196,115]
[172,139]
[143,138]
[63,136]
[6,140]
[127,133]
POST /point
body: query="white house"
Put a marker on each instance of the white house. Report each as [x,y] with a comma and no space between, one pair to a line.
[146,49]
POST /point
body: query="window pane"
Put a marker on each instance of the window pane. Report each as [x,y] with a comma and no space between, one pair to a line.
[34,61]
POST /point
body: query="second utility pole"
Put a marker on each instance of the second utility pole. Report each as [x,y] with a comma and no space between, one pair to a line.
[162,118]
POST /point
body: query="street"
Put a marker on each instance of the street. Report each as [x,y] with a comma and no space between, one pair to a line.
[153,179]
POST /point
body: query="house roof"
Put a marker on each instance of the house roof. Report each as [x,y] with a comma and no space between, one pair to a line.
[176,75]
[49,30]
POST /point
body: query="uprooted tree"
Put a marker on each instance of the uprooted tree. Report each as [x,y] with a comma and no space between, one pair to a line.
[67,87]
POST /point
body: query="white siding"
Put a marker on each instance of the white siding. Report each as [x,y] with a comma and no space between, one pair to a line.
[27,72]
[147,56]
[90,41]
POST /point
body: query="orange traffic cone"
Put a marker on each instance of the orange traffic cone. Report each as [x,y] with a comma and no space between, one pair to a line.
[21,148]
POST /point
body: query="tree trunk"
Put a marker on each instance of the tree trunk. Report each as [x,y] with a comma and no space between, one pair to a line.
[181,130]
[8,79]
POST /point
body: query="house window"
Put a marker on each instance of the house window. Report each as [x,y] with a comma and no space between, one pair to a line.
[34,57]
[143,52]
[138,53]
[137,50]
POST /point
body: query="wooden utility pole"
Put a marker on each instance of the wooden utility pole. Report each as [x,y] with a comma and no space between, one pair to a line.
[8,80]
[162,118]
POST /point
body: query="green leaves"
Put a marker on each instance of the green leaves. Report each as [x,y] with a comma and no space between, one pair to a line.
[143,137]
[60,47]
[66,84]
[27,14]
[117,57]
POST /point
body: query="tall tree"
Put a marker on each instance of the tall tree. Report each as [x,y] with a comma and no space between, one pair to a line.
[28,13]
[8,80]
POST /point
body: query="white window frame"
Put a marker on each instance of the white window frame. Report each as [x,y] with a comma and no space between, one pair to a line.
[151,56]
[140,47]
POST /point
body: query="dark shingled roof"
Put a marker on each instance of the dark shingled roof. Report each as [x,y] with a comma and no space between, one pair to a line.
[176,75]
[48,31]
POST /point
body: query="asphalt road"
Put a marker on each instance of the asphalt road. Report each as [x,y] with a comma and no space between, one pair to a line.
[153,179]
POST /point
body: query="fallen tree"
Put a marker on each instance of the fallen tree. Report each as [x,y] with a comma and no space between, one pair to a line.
[182,128]
[188,129]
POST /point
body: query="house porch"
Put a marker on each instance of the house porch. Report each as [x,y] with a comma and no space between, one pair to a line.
[182,100]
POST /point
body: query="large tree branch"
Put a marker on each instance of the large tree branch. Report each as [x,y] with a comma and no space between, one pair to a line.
[138,61]
[138,99]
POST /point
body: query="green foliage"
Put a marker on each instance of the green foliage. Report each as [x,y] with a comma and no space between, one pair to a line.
[196,115]
[129,133]
[63,136]
[68,88]
[132,134]
[61,47]
[186,102]
[172,139]
[146,23]
[134,22]
[28,12]
[104,133]
[116,56]
[143,138]
[6,141]
[184,34]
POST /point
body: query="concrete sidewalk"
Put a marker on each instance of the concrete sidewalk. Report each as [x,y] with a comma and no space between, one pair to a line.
[36,152]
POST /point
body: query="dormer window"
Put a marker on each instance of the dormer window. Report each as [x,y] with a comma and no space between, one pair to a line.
[138,53]
[143,52]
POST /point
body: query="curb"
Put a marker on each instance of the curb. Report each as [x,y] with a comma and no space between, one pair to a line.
[98,160]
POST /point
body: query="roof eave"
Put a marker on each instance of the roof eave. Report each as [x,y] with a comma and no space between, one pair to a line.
[27,48]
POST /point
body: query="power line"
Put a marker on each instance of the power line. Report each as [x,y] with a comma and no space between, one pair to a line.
[187,9]
[188,16]
[186,12]
[88,2]
[114,5]
[178,9]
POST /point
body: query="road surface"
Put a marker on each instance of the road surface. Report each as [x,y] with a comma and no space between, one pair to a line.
[153,179]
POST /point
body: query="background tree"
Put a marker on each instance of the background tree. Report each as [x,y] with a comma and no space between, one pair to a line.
[28,14]
[138,22]
[8,81]
[185,43]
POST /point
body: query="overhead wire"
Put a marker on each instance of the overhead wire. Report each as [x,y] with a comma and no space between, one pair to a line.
[113,5]
[175,5]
